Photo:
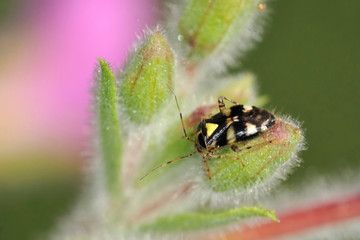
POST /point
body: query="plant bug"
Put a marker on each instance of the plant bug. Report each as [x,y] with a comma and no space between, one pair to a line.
[227,127]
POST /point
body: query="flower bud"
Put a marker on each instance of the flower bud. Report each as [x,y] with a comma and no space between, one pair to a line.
[260,161]
[144,82]
[218,28]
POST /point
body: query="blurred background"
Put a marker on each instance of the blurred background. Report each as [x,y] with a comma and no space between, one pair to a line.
[48,55]
[308,64]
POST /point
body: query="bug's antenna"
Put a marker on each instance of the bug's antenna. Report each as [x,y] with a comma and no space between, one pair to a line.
[177,104]
[167,163]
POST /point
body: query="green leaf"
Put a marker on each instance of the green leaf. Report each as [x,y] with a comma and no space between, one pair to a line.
[205,219]
[110,136]
[272,152]
[144,82]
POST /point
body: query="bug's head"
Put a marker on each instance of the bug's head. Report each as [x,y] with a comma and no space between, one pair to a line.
[200,138]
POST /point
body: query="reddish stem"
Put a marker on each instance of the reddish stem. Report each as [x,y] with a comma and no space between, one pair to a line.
[302,220]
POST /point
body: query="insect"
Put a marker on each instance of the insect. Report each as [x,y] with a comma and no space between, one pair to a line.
[229,126]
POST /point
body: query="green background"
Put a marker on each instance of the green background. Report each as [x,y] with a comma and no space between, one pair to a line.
[309,65]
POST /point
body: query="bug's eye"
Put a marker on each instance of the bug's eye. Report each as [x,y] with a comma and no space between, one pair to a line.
[201,140]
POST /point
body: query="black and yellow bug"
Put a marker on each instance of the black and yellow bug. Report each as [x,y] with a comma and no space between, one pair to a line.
[229,126]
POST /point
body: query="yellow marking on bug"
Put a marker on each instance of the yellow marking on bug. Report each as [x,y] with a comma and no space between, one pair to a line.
[263,126]
[230,137]
[250,129]
[247,108]
[210,128]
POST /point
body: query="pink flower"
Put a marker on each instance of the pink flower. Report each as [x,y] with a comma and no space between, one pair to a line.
[53,52]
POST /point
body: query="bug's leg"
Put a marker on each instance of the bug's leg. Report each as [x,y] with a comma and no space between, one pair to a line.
[221,104]
[232,101]
[229,157]
[181,117]
[225,111]
[236,148]
[207,166]
[221,101]
[167,163]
